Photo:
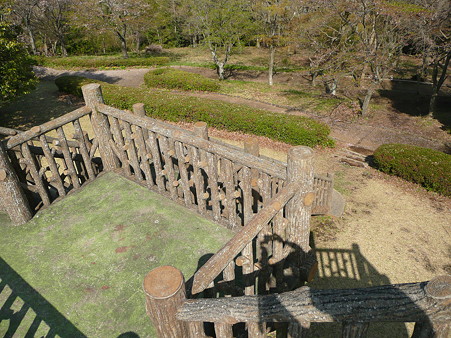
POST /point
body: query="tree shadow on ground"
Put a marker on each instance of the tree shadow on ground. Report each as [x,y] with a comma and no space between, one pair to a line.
[41,105]
[413,99]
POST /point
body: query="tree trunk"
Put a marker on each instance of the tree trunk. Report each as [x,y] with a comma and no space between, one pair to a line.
[366,101]
[32,41]
[433,103]
[272,52]
[220,70]
[438,82]
[123,44]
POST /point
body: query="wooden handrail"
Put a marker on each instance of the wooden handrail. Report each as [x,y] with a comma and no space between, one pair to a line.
[218,262]
[43,128]
[410,302]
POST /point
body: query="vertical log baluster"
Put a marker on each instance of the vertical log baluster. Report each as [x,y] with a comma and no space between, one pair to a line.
[145,156]
[179,150]
[354,330]
[154,149]
[168,167]
[84,151]
[130,147]
[198,180]
[212,172]
[223,330]
[72,173]
[56,178]
[229,182]
[119,140]
[34,172]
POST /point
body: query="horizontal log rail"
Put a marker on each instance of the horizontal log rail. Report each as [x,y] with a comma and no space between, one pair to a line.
[46,127]
[410,302]
[272,167]
[218,262]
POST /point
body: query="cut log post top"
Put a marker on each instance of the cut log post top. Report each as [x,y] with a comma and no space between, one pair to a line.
[410,302]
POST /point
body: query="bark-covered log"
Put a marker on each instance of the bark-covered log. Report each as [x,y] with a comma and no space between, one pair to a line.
[410,302]
[300,171]
[217,263]
[165,293]
[92,94]
[12,197]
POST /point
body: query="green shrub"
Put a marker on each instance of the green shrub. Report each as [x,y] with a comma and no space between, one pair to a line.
[91,62]
[295,130]
[179,79]
[430,168]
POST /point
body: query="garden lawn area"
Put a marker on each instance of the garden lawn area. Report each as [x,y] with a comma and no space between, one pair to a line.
[76,269]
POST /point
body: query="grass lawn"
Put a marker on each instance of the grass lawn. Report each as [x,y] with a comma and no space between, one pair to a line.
[76,269]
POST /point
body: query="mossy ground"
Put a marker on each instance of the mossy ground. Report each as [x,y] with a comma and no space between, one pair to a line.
[81,262]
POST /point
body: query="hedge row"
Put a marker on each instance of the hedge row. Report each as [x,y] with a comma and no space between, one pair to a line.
[295,130]
[100,61]
[430,168]
[179,79]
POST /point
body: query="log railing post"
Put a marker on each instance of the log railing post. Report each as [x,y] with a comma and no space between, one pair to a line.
[92,94]
[201,130]
[300,170]
[11,194]
[165,293]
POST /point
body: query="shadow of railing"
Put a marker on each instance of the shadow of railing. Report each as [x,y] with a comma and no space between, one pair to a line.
[33,307]
[349,298]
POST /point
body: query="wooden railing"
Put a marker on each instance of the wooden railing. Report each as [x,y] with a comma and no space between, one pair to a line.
[291,313]
[219,181]
[49,163]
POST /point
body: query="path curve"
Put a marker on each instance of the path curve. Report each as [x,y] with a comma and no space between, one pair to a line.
[362,135]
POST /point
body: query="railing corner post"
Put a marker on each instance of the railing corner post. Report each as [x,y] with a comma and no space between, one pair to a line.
[300,171]
[92,94]
[165,292]
[11,194]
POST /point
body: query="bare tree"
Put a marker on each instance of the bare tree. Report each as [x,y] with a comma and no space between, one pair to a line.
[112,15]
[222,23]
[25,13]
[431,33]
[273,17]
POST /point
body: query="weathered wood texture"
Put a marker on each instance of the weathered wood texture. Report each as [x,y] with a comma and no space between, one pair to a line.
[92,94]
[12,197]
[48,166]
[411,302]
[217,263]
[165,292]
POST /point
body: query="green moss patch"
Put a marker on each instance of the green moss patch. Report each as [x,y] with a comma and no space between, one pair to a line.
[81,262]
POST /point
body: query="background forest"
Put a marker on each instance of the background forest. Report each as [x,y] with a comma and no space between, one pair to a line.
[361,39]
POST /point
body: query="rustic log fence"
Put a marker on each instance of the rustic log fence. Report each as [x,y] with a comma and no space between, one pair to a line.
[428,304]
[220,181]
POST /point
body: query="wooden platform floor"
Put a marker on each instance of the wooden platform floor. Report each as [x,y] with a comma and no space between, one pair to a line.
[77,268]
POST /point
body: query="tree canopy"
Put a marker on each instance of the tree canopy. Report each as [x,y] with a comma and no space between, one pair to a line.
[16,74]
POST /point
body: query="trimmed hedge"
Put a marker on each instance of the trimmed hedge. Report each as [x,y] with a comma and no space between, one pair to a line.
[430,168]
[295,130]
[179,79]
[100,61]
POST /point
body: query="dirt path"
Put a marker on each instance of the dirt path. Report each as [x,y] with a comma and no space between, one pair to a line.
[359,134]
